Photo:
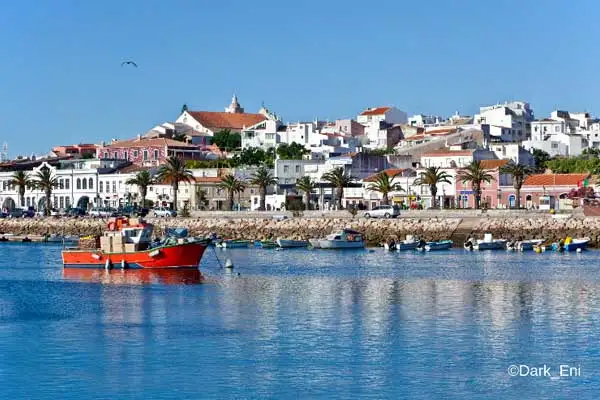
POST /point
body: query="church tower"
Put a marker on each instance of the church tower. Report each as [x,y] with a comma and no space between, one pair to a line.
[234,107]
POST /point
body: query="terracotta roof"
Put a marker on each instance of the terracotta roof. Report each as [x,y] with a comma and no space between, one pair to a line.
[447,152]
[133,168]
[415,137]
[145,142]
[225,120]
[208,179]
[389,172]
[446,131]
[376,111]
[493,164]
[555,179]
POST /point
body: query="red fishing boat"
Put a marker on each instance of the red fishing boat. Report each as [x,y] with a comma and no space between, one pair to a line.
[128,245]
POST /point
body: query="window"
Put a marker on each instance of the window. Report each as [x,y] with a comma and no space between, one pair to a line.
[78,183]
[555,145]
[114,185]
[150,189]
[67,202]
[100,186]
[156,153]
[286,169]
[145,155]
[556,128]
[55,202]
[136,154]
[84,183]
[62,202]
[90,183]
[126,155]
[297,169]
[115,155]
[61,184]
[67,183]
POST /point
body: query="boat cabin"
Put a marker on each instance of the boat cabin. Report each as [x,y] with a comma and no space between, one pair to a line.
[138,234]
[348,235]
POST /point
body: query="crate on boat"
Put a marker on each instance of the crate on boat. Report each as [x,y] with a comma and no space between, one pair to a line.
[106,244]
[89,243]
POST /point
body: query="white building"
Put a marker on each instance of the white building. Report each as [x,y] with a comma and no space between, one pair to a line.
[265,134]
[508,122]
[422,121]
[382,128]
[513,151]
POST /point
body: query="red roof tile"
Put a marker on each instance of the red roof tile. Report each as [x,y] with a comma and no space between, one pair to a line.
[149,142]
[389,172]
[555,179]
[441,132]
[493,164]
[225,120]
[447,152]
[376,111]
[208,179]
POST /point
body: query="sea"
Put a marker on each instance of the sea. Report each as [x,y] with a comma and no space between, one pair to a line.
[303,324]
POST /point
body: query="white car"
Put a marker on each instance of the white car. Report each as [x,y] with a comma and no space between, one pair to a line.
[103,212]
[383,212]
[164,212]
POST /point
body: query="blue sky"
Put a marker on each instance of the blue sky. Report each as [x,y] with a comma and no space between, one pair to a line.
[61,81]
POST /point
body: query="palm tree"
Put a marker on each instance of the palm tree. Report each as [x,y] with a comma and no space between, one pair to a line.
[21,180]
[263,179]
[432,176]
[142,180]
[232,185]
[475,174]
[174,171]
[44,180]
[384,184]
[338,178]
[519,173]
[307,185]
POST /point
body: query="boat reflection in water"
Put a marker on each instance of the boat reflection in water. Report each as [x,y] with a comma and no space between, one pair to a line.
[174,276]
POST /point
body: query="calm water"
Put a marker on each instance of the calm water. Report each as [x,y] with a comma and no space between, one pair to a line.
[301,324]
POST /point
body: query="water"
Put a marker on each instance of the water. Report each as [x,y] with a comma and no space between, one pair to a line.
[301,324]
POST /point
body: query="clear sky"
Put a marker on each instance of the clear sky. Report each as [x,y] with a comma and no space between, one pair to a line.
[61,79]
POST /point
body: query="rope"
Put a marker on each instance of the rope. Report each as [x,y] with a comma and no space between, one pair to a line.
[216,256]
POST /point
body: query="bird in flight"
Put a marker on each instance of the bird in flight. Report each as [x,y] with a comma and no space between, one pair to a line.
[129,63]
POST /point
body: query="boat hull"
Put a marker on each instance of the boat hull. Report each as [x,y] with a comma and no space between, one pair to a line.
[286,243]
[576,244]
[437,246]
[315,243]
[186,255]
[234,244]
[340,244]
[265,244]
[494,245]
[528,245]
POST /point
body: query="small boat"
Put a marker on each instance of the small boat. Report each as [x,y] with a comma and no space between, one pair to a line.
[440,245]
[571,244]
[489,243]
[234,244]
[131,247]
[344,239]
[61,239]
[265,244]
[289,243]
[528,245]
[410,243]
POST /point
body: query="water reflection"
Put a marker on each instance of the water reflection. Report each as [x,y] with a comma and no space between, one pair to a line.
[135,276]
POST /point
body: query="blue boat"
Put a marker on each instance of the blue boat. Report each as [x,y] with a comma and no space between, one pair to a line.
[265,244]
[571,245]
[436,246]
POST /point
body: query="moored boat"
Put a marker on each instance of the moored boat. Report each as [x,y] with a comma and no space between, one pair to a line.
[70,239]
[344,239]
[528,245]
[439,245]
[489,243]
[410,243]
[129,246]
[234,244]
[289,243]
[265,244]
[570,244]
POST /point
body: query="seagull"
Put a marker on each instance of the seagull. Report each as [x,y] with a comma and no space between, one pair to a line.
[129,62]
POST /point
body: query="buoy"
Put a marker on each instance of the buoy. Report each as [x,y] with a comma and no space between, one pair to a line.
[123,264]
[107,264]
[578,250]
[228,263]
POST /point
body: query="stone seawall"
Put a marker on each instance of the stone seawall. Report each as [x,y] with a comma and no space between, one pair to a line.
[376,231]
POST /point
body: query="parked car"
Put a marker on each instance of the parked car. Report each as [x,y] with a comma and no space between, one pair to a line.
[103,212]
[164,212]
[76,212]
[383,212]
[133,211]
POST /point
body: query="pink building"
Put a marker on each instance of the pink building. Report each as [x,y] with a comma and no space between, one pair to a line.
[149,151]
[493,194]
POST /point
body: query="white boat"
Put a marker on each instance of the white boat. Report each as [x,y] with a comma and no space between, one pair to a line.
[440,245]
[527,245]
[234,244]
[314,243]
[61,239]
[344,239]
[289,243]
[489,243]
[410,243]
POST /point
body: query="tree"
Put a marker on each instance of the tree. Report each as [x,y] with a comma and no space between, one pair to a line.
[227,140]
[255,156]
[293,151]
[307,185]
[475,174]
[519,173]
[384,184]
[174,172]
[21,180]
[432,176]
[232,185]
[45,181]
[338,178]
[142,180]
[541,158]
[262,178]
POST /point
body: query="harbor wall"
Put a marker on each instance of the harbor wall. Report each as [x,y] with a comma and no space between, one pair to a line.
[375,230]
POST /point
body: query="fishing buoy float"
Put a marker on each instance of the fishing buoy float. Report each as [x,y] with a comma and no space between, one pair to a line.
[107,264]
[578,250]
[228,263]
[123,264]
